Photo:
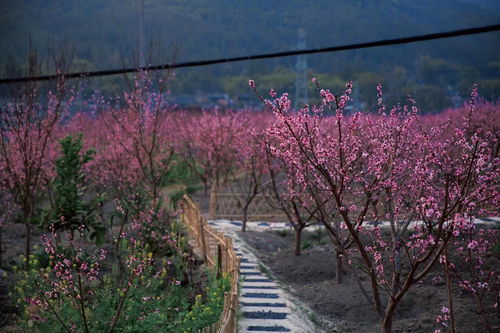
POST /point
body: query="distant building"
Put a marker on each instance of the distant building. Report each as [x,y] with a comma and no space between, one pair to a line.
[247,102]
[221,100]
[185,101]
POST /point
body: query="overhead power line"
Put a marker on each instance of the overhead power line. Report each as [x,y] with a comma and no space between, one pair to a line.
[385,42]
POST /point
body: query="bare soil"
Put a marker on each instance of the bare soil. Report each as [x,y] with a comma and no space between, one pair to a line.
[311,278]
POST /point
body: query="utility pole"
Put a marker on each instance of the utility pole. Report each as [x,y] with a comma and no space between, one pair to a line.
[142,63]
[301,96]
[141,34]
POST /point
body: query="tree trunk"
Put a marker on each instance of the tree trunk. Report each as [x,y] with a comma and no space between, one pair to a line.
[368,263]
[387,325]
[205,189]
[396,276]
[1,252]
[154,189]
[244,222]
[212,209]
[375,292]
[482,312]
[449,290]
[389,312]
[28,245]
[338,272]
[298,241]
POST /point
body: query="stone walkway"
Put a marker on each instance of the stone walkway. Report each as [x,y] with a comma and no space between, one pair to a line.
[269,226]
[264,305]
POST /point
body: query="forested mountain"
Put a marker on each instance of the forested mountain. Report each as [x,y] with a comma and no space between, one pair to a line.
[105,34]
[486,4]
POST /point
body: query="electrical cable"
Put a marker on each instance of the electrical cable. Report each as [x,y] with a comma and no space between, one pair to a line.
[198,63]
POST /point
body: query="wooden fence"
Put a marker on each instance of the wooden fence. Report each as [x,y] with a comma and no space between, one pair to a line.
[229,206]
[219,255]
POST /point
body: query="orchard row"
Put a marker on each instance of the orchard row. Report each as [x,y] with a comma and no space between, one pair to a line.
[396,191]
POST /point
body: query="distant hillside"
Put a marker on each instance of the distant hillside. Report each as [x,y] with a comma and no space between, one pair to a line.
[105,31]
[486,4]
[105,35]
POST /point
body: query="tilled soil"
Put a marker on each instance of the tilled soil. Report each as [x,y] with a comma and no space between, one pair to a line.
[311,278]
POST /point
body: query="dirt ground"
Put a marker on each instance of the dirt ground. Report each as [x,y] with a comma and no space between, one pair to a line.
[311,278]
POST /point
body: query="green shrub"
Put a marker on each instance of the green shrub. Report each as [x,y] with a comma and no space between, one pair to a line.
[306,245]
[141,303]
[207,309]
[69,211]
[181,172]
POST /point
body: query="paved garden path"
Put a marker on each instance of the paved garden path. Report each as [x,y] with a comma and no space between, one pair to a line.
[264,305]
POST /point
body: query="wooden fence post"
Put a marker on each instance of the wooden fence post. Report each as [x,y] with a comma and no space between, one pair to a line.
[219,260]
[202,236]
[212,207]
[224,259]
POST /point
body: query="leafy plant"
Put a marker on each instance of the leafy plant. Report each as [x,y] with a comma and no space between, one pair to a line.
[177,195]
[181,172]
[72,293]
[206,309]
[70,211]
[306,245]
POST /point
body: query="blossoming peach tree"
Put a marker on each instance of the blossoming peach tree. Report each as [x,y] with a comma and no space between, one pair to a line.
[137,281]
[422,184]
